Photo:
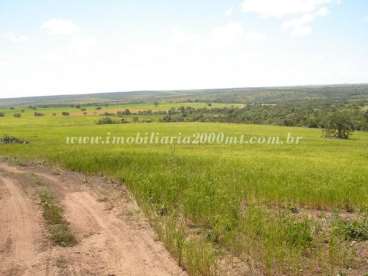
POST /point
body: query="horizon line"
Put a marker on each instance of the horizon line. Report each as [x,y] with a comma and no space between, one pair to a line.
[65,94]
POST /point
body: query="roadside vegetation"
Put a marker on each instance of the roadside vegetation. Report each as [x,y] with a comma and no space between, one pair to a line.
[57,226]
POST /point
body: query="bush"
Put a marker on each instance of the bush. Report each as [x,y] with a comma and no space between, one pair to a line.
[109,121]
[2,114]
[17,115]
[338,125]
[356,230]
[65,113]
[38,114]
[105,121]
[11,140]
[108,114]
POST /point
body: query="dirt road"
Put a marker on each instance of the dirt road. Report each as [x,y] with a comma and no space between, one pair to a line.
[113,236]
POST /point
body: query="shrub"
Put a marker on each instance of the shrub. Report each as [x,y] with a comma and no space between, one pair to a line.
[11,140]
[105,121]
[338,125]
[2,114]
[356,230]
[109,121]
[124,112]
[65,113]
[38,114]
[17,115]
[108,114]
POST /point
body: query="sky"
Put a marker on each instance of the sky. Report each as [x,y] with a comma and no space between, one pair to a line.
[51,47]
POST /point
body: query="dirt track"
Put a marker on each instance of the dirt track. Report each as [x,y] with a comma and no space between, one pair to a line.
[113,236]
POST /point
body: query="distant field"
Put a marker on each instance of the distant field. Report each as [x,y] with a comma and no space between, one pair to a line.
[255,200]
[92,112]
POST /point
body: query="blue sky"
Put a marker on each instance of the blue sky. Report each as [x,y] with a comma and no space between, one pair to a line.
[65,47]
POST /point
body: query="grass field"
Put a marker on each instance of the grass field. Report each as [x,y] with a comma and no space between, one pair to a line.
[209,201]
[93,109]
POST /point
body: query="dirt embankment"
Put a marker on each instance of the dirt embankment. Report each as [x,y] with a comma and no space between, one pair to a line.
[113,236]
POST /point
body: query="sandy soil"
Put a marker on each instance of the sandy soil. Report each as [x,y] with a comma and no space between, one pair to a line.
[113,236]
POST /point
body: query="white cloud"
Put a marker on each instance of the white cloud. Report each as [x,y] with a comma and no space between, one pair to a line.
[255,36]
[283,8]
[301,26]
[228,33]
[234,32]
[14,38]
[226,36]
[229,12]
[60,27]
[297,16]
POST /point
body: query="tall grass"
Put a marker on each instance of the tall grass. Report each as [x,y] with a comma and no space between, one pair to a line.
[235,197]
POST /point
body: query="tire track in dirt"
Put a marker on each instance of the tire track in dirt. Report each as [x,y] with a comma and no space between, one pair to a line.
[21,230]
[109,244]
[124,249]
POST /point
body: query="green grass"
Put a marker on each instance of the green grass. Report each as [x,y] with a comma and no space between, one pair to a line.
[236,196]
[58,228]
[92,109]
[77,118]
[356,230]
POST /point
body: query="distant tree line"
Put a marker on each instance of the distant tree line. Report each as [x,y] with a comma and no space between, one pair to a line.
[326,116]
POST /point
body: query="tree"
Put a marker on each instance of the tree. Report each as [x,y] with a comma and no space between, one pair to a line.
[105,121]
[366,116]
[338,125]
